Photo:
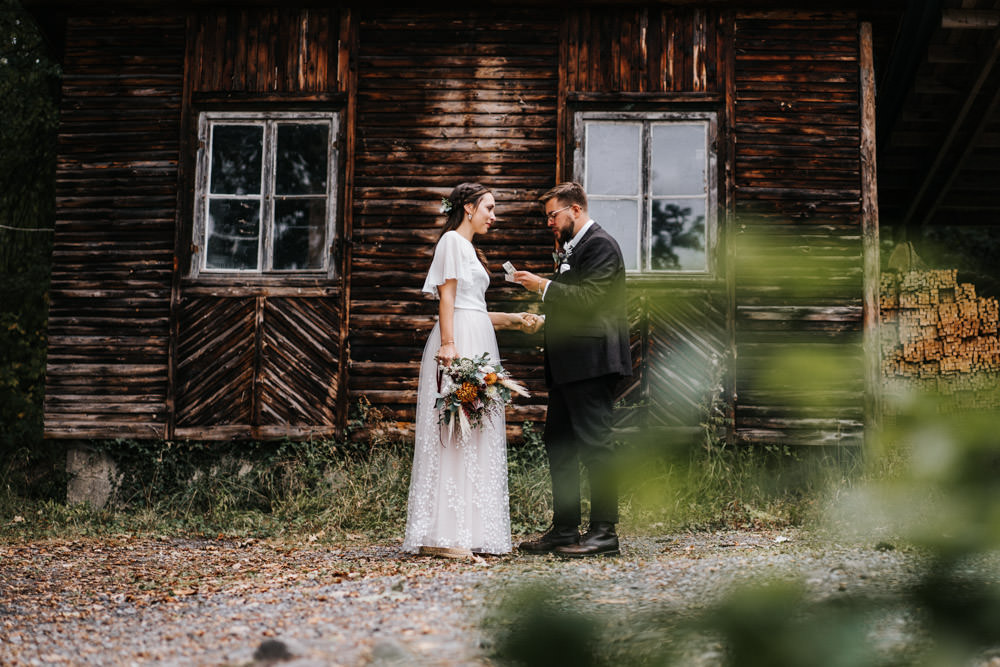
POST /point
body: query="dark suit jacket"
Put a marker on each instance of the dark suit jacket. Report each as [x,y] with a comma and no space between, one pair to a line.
[586,327]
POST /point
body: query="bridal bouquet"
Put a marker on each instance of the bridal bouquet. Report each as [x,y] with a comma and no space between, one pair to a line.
[471,389]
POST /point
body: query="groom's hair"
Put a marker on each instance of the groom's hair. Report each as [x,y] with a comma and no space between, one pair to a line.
[568,193]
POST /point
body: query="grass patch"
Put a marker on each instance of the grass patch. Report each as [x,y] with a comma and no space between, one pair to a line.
[335,491]
[710,487]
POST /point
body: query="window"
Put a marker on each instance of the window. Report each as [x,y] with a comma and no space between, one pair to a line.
[266,192]
[650,181]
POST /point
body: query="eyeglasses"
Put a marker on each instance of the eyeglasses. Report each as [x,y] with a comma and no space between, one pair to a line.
[551,215]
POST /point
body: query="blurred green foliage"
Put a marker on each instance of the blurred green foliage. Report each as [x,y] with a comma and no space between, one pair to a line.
[29,84]
[930,484]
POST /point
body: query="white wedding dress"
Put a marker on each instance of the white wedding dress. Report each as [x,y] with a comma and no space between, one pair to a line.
[458,489]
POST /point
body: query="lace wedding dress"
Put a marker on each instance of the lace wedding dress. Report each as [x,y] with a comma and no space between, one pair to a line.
[458,489]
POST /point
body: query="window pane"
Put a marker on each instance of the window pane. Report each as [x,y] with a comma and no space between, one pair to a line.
[678,156]
[613,154]
[299,234]
[236,159]
[302,158]
[233,234]
[678,235]
[620,217]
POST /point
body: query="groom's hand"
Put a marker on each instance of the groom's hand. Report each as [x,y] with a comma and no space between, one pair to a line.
[527,322]
[533,322]
[530,281]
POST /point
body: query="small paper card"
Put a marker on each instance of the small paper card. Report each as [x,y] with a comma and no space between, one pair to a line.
[508,272]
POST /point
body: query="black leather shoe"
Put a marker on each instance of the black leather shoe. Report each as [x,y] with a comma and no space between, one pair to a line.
[600,540]
[557,536]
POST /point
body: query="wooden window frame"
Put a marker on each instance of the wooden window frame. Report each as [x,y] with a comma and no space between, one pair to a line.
[712,195]
[270,120]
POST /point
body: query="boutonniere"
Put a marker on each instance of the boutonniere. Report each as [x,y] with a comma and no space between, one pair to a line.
[561,256]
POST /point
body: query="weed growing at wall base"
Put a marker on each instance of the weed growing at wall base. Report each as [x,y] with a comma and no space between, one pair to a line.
[331,491]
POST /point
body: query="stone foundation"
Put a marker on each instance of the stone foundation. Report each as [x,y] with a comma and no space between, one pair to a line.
[91,475]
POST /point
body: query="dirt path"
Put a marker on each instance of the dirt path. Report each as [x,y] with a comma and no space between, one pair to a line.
[213,602]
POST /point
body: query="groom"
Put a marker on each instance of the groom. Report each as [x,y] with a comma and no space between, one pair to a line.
[586,353]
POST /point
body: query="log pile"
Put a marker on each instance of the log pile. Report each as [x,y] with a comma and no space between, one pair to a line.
[938,335]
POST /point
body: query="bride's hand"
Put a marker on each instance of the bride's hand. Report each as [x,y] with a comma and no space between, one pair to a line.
[533,322]
[530,322]
[520,321]
[446,353]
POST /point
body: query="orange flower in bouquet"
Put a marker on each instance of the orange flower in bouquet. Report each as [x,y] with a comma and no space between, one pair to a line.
[471,389]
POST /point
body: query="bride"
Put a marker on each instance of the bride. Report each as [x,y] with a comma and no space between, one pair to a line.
[458,503]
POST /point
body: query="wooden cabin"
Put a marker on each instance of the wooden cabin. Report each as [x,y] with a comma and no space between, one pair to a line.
[248,200]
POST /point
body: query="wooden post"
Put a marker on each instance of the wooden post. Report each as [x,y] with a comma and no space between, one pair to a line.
[348,82]
[870,240]
[183,216]
[564,122]
[727,39]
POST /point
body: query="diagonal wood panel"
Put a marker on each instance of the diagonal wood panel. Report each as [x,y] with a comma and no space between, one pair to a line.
[630,394]
[216,360]
[298,379]
[679,348]
[686,345]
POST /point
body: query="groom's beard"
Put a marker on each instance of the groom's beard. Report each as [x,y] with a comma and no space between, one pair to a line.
[565,236]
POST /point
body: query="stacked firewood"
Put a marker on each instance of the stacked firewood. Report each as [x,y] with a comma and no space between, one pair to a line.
[938,335]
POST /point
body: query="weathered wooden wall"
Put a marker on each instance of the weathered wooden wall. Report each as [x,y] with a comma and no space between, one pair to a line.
[798,265]
[429,99]
[114,238]
[643,50]
[264,51]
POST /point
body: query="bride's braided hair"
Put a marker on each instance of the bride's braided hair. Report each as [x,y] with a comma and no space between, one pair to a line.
[464,193]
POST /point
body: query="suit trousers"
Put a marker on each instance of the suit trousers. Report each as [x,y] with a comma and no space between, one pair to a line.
[578,430]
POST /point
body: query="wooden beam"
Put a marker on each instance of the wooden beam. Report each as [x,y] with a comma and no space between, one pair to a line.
[976,19]
[563,120]
[184,213]
[727,131]
[931,175]
[348,80]
[951,54]
[870,239]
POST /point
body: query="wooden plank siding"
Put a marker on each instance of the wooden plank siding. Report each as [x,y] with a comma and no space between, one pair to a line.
[798,199]
[113,247]
[642,50]
[267,51]
[445,98]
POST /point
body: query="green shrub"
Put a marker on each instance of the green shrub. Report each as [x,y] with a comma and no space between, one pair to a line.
[29,81]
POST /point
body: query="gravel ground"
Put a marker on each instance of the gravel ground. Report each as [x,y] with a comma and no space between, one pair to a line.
[213,602]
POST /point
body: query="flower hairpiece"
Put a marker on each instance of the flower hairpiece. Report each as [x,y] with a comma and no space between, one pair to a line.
[445,205]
